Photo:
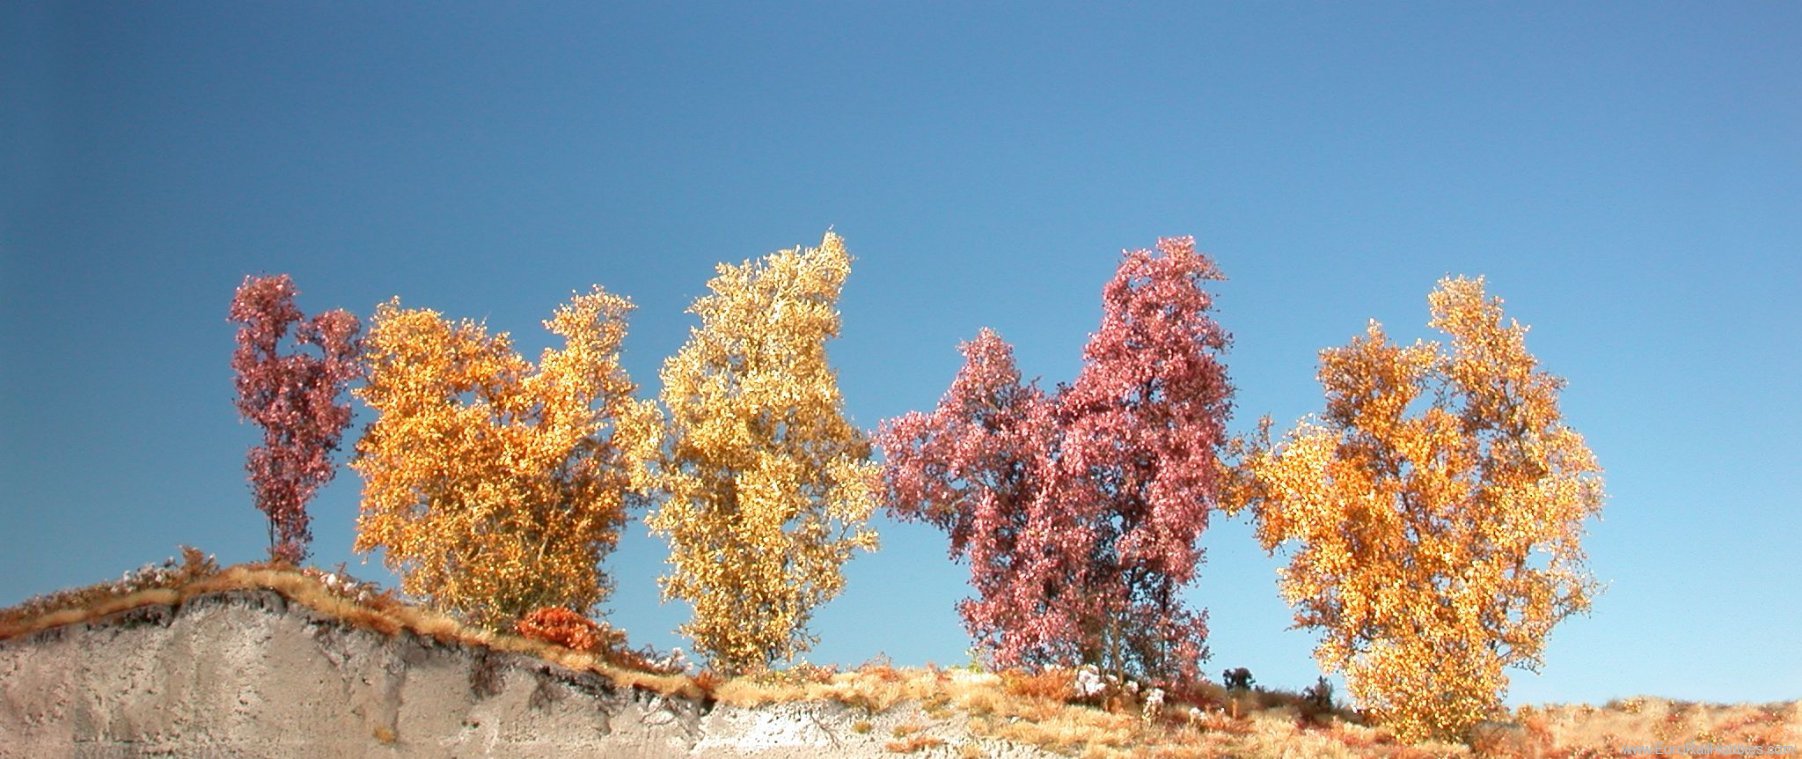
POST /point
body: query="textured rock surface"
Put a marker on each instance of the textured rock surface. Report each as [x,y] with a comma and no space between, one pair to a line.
[246,673]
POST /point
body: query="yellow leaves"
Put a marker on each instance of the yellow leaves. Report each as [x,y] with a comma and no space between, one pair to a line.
[489,482]
[768,485]
[1437,544]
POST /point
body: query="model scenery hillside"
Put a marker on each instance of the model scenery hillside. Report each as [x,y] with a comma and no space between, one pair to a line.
[270,660]
[1432,514]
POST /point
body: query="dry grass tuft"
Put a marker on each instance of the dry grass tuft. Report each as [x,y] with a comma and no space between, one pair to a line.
[874,691]
[1582,730]
[746,692]
[913,743]
[1074,729]
[1051,685]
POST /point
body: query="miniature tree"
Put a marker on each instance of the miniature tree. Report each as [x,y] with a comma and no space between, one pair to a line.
[767,484]
[1143,427]
[979,467]
[496,487]
[1079,513]
[293,396]
[1436,508]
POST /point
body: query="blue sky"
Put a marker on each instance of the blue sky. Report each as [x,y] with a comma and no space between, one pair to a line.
[1628,176]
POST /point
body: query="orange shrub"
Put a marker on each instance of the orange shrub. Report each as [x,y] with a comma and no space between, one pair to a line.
[560,626]
[1051,684]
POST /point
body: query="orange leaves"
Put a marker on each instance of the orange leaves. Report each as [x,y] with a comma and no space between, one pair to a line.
[560,626]
[487,480]
[1437,508]
[1434,507]
[767,483]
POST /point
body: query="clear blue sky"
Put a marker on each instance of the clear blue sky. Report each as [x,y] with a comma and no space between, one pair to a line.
[1628,176]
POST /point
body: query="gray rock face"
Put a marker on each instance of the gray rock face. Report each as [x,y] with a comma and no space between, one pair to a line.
[246,673]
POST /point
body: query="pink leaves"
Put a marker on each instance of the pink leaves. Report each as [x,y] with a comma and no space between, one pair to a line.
[972,467]
[1079,512]
[293,398]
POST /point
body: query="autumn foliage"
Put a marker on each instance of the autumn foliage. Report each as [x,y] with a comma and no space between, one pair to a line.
[293,395]
[767,485]
[1079,511]
[1433,511]
[494,486]
[1436,509]
[980,467]
[560,626]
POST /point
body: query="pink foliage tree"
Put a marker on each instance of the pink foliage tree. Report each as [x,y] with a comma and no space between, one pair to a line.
[979,467]
[1143,427]
[1079,512]
[294,397]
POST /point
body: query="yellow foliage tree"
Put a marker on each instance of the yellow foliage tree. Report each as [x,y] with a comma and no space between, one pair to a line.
[1438,508]
[768,486]
[496,487]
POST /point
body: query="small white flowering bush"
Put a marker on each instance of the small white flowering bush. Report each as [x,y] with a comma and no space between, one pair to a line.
[1089,682]
[1154,702]
[341,584]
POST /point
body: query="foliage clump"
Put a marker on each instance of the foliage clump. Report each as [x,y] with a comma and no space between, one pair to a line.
[1079,511]
[766,483]
[1436,508]
[495,486]
[559,626]
[293,396]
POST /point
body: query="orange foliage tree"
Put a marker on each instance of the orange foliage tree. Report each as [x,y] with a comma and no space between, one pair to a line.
[768,485]
[493,486]
[1438,507]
